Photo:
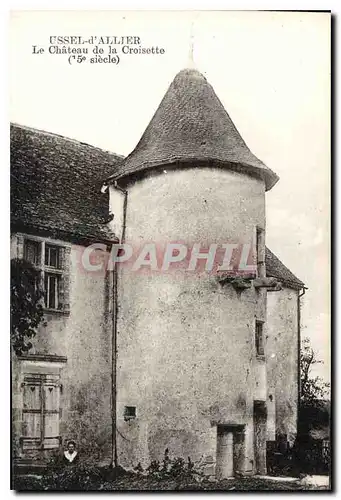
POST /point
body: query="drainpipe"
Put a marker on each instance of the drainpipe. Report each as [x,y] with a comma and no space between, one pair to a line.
[116,186]
[299,295]
[114,340]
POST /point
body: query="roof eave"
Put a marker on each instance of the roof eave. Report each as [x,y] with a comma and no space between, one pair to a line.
[269,177]
[295,285]
[64,235]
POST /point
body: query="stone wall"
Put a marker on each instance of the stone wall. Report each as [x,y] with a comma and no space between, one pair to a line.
[186,354]
[83,335]
[282,358]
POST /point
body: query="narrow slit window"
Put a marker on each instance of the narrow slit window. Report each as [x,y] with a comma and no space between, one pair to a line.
[260,252]
[259,338]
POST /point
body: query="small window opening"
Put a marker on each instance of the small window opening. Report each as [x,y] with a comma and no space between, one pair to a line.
[259,338]
[260,250]
[129,412]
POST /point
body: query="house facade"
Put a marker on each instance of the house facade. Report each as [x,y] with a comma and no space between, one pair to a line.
[130,364]
[57,211]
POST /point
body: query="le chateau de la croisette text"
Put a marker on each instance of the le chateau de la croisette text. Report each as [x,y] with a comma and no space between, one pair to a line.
[123,44]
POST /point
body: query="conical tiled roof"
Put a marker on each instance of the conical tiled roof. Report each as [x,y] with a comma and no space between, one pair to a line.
[191,125]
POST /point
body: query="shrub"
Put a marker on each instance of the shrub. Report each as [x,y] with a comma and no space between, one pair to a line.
[170,474]
[74,478]
[175,468]
[153,468]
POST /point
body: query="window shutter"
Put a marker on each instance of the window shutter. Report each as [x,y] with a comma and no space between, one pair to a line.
[51,431]
[31,423]
[64,285]
[32,397]
[51,393]
[41,411]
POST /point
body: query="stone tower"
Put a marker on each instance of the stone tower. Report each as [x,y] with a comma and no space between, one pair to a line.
[191,356]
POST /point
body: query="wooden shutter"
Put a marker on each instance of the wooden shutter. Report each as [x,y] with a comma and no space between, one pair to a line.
[32,408]
[32,399]
[41,411]
[51,405]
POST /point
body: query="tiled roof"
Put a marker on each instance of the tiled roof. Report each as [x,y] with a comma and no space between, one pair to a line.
[56,187]
[275,268]
[56,184]
[191,126]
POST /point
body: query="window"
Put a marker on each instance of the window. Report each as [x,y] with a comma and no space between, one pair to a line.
[32,251]
[129,412]
[50,260]
[51,289]
[259,338]
[52,256]
[260,251]
[41,411]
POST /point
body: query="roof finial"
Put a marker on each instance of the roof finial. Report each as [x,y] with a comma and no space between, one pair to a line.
[190,63]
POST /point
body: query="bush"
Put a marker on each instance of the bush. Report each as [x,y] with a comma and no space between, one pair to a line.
[175,468]
[74,478]
[170,474]
[26,308]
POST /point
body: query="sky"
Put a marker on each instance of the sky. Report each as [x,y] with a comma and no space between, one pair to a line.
[271,70]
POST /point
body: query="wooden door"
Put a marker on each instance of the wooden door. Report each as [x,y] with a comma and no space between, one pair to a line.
[224,467]
[259,427]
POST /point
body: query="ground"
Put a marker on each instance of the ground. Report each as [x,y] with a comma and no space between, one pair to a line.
[137,482]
